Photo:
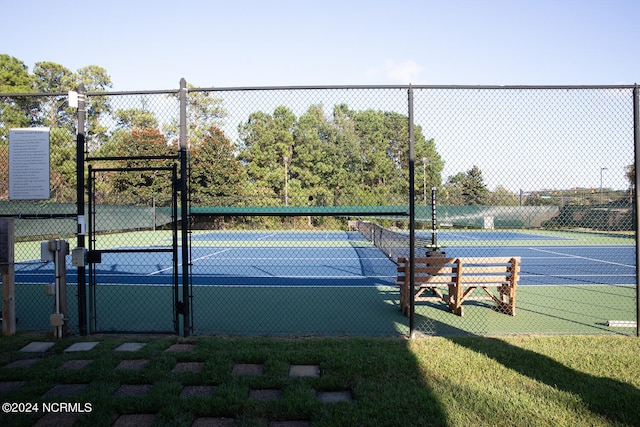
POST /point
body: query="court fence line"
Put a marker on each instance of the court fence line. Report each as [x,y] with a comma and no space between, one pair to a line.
[552,165]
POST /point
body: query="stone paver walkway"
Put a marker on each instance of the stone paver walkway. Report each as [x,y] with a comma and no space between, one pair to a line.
[69,390]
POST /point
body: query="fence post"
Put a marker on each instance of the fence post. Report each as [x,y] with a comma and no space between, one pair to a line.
[636,141]
[412,225]
[80,144]
[7,270]
[184,214]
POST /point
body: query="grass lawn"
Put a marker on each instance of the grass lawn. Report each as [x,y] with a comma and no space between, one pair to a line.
[461,381]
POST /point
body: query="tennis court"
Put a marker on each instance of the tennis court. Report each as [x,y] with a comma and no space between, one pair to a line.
[552,259]
[245,258]
[338,282]
[340,258]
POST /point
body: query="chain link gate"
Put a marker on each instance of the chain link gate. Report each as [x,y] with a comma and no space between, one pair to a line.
[134,283]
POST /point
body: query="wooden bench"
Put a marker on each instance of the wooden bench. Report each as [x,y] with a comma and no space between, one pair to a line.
[497,277]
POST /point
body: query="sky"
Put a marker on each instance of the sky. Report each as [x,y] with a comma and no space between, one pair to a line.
[150,45]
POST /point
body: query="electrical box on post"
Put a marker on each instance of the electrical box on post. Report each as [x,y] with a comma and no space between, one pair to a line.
[56,320]
[79,257]
[46,255]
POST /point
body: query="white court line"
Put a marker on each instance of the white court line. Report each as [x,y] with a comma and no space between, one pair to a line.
[153,273]
[460,235]
[267,236]
[582,257]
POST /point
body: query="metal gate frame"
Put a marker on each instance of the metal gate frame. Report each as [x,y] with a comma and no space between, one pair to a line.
[94,256]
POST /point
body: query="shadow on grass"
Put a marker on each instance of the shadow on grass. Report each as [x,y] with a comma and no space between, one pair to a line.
[617,401]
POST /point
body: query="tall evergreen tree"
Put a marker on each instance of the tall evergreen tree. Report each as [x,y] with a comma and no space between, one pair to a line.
[203,111]
[467,188]
[95,79]
[267,150]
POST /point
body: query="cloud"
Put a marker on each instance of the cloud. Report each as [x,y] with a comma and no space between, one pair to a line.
[405,72]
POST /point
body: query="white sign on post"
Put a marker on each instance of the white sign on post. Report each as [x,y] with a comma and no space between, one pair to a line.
[29,164]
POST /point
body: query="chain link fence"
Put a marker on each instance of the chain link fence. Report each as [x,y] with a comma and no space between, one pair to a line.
[300,208]
[558,164]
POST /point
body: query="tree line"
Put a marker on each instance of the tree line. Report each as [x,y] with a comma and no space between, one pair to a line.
[336,157]
[341,156]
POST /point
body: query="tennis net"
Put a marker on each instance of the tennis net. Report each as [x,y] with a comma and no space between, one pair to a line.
[393,243]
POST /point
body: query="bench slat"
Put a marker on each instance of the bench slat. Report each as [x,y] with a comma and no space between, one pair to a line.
[497,280]
[488,260]
[434,279]
[435,270]
[435,260]
[486,270]
[427,271]
[464,260]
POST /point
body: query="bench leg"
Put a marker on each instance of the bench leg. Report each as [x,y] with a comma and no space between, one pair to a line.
[404,299]
[455,300]
[406,305]
[507,304]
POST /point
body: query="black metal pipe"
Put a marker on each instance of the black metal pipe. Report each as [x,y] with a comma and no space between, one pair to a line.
[108,158]
[91,230]
[80,148]
[636,204]
[412,211]
[184,209]
[434,217]
[136,169]
[174,247]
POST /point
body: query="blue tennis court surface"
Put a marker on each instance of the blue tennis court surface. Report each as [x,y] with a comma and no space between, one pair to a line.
[343,259]
[564,265]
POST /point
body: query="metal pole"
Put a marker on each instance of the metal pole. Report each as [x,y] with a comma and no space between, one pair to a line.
[80,147]
[184,200]
[412,225]
[434,218]
[60,249]
[636,204]
[424,180]
[601,170]
[174,232]
[521,194]
[92,316]
[286,181]
[53,244]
